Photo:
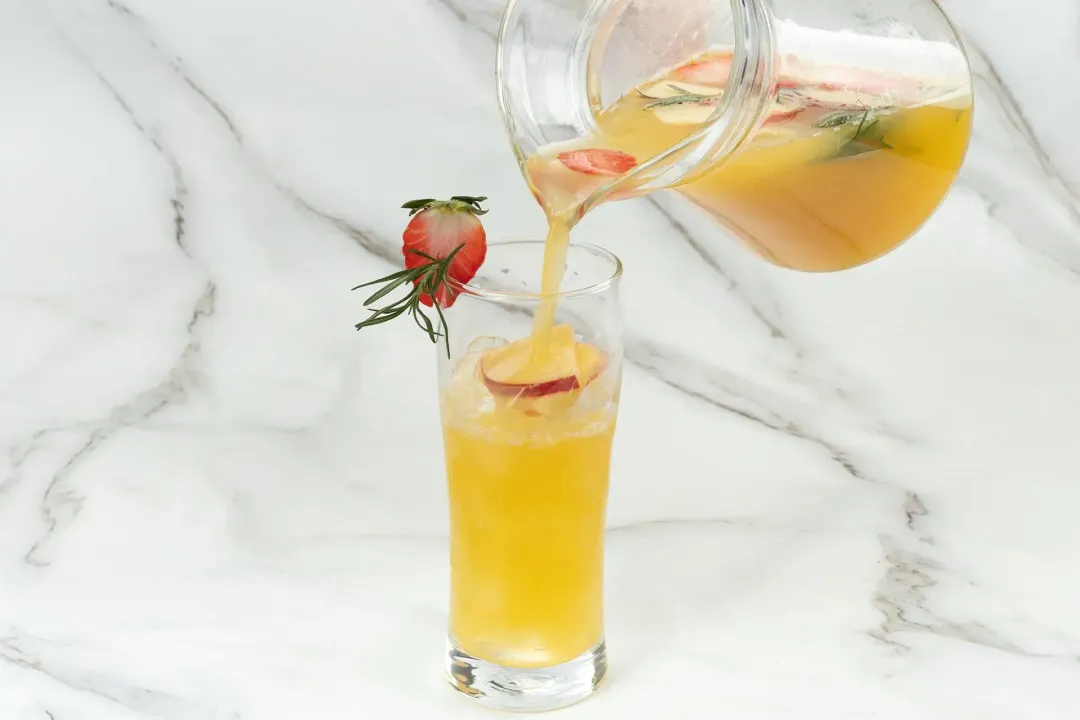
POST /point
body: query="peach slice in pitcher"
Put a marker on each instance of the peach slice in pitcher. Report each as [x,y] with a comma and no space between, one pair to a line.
[542,383]
[681,103]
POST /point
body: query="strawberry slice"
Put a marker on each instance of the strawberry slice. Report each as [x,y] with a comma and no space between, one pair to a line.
[712,69]
[715,68]
[598,161]
[855,80]
[439,228]
[784,108]
[829,83]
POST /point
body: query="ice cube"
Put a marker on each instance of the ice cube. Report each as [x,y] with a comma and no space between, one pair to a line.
[467,389]
[485,343]
[601,395]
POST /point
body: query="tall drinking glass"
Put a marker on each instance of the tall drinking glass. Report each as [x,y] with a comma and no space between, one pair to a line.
[527,433]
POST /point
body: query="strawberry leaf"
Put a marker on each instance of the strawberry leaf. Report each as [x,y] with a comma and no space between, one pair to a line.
[472,203]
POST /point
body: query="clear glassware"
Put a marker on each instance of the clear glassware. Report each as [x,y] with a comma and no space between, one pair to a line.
[821,133]
[527,463]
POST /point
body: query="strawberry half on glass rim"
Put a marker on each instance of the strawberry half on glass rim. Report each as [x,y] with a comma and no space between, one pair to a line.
[445,230]
[444,245]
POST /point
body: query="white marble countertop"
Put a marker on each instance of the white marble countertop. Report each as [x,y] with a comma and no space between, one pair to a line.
[840,496]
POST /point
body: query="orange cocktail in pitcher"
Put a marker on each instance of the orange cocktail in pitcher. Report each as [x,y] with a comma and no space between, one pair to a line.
[844,166]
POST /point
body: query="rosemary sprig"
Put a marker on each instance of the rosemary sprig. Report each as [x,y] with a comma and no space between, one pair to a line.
[683,97]
[869,134]
[837,119]
[426,280]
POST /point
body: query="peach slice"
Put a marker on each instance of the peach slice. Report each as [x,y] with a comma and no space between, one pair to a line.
[843,99]
[686,114]
[714,69]
[710,69]
[783,109]
[568,365]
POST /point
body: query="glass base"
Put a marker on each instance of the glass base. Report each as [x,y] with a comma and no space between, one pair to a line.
[526,689]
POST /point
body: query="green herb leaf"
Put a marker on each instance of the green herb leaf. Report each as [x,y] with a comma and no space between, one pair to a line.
[838,118]
[426,279]
[382,315]
[473,202]
[684,97]
[415,206]
[424,255]
[394,285]
[858,147]
[442,324]
[869,134]
[392,276]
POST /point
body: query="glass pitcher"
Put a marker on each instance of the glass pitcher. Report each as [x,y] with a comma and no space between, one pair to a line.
[821,133]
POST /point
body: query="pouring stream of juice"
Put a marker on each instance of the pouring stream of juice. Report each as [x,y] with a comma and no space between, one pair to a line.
[558,240]
[846,165]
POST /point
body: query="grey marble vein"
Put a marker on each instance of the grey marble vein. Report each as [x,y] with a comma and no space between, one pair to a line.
[214,105]
[483,16]
[985,69]
[178,199]
[363,237]
[16,650]
[18,455]
[1031,229]
[902,596]
[731,394]
[914,508]
[681,524]
[772,319]
[177,66]
[902,599]
[766,319]
[61,502]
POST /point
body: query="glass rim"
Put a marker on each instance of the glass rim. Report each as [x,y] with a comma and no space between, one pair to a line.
[514,296]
